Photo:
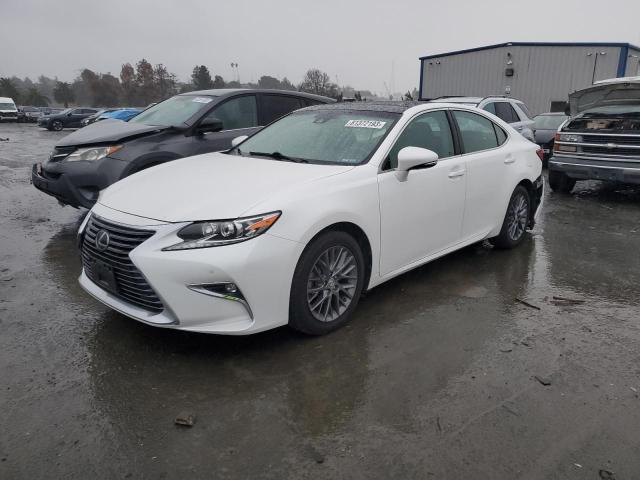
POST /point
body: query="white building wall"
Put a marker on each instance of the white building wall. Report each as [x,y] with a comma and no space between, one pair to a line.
[542,74]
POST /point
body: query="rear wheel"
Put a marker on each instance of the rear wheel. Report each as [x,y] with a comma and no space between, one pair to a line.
[516,220]
[327,284]
[561,182]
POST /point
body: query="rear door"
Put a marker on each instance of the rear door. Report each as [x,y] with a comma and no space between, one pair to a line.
[273,106]
[487,164]
[239,116]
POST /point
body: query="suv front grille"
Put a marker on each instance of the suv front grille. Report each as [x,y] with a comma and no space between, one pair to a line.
[617,139]
[126,281]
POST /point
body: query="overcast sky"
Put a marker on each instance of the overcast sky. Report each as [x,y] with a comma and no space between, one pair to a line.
[359,43]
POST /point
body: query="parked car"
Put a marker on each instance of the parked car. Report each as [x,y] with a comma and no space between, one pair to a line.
[68,118]
[8,110]
[29,114]
[100,154]
[512,111]
[50,110]
[124,114]
[93,118]
[546,125]
[601,140]
[294,223]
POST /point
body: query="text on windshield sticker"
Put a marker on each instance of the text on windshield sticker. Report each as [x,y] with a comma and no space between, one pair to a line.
[365,124]
[201,100]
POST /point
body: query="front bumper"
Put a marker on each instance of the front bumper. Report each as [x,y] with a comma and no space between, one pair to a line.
[262,268]
[597,168]
[76,183]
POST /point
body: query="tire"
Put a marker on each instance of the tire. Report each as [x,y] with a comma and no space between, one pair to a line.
[317,304]
[560,182]
[57,125]
[516,220]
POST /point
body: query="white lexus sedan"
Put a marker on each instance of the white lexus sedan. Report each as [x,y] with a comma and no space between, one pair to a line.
[292,224]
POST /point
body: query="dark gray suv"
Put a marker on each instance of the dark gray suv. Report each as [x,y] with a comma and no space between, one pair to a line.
[94,157]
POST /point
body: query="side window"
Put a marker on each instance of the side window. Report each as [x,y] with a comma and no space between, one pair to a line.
[490,107]
[239,112]
[275,106]
[430,130]
[308,102]
[505,111]
[477,132]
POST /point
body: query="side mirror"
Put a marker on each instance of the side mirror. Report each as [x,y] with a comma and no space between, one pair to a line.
[69,114]
[209,124]
[414,157]
[238,140]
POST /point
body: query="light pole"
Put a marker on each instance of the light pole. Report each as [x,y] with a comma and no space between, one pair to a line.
[595,63]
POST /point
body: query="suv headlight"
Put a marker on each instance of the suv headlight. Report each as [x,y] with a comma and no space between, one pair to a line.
[92,153]
[568,137]
[223,232]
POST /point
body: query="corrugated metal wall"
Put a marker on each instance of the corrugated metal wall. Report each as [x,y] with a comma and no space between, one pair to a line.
[633,63]
[542,74]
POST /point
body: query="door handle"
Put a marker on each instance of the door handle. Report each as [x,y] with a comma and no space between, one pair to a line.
[457,173]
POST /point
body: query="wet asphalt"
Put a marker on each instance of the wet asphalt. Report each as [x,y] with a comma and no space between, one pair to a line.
[441,374]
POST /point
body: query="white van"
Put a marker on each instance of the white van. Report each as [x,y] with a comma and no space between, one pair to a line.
[8,110]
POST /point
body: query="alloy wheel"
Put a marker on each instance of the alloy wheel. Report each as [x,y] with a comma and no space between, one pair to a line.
[518,217]
[332,283]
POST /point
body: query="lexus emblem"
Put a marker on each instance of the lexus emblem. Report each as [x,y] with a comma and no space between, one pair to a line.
[102,240]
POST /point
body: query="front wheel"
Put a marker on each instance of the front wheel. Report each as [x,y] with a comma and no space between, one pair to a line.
[327,284]
[516,220]
[57,125]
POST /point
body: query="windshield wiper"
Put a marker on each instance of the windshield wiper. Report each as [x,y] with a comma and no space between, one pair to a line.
[279,156]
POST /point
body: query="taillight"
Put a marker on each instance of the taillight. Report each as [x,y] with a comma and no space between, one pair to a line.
[540,153]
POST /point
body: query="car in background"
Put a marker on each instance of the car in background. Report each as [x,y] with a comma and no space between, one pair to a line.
[8,110]
[510,110]
[29,114]
[293,224]
[94,157]
[123,114]
[601,140]
[68,118]
[546,125]
[93,118]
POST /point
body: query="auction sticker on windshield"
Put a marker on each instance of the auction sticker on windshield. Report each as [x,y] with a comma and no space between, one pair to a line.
[365,124]
[201,100]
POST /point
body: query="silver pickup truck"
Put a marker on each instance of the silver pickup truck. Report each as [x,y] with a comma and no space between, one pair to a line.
[601,139]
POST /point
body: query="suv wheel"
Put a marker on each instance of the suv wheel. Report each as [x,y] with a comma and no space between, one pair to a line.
[516,220]
[327,284]
[57,125]
[561,182]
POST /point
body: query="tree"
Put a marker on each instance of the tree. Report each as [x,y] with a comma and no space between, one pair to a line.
[62,93]
[128,84]
[318,82]
[145,80]
[165,82]
[285,84]
[218,82]
[201,78]
[106,91]
[35,98]
[266,81]
[8,89]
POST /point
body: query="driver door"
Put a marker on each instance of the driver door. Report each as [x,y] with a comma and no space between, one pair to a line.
[422,214]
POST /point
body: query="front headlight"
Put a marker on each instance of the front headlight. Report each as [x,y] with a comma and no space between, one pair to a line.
[223,232]
[92,153]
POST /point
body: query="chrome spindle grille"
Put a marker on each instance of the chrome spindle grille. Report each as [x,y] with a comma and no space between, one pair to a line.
[126,281]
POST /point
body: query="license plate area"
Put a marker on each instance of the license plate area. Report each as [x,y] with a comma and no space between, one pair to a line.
[104,276]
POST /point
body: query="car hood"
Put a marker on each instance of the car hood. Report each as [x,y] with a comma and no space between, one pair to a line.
[605,94]
[209,187]
[106,131]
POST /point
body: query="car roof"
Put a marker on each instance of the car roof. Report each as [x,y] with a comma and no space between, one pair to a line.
[6,99]
[221,92]
[373,106]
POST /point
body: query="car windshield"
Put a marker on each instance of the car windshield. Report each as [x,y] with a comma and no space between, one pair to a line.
[173,112]
[549,122]
[66,110]
[7,106]
[321,136]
